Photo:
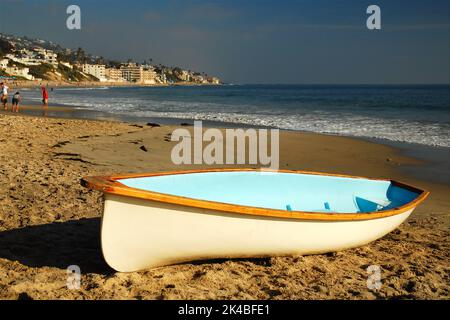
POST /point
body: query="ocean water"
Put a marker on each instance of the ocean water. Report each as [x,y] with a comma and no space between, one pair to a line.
[415,114]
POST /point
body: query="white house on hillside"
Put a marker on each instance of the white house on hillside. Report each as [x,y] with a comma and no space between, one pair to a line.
[96,70]
[15,71]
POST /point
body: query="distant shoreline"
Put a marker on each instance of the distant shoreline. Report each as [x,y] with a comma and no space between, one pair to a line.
[88,84]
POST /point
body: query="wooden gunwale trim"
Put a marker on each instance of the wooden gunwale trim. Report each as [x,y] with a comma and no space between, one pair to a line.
[109,184]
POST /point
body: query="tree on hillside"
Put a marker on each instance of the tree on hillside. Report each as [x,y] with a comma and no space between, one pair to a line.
[100,60]
[80,55]
[114,64]
[63,56]
[41,71]
[5,47]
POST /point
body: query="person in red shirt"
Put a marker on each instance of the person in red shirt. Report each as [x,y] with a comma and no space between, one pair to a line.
[44,101]
[44,96]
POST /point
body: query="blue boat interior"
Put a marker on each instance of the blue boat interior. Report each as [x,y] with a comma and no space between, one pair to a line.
[281,191]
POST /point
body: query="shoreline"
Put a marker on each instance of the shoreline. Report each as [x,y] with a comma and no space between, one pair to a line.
[48,221]
[435,160]
[95,84]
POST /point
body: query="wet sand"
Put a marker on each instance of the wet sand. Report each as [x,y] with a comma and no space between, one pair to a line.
[48,221]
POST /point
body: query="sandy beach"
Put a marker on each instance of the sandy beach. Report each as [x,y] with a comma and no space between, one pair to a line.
[48,221]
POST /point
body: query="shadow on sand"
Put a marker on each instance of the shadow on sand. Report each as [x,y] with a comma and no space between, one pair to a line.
[57,245]
[75,242]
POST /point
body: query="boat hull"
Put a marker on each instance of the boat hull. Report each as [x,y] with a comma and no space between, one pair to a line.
[138,234]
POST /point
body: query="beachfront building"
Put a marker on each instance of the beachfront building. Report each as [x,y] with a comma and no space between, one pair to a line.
[131,72]
[46,56]
[15,71]
[214,80]
[34,57]
[148,76]
[114,75]
[199,79]
[163,77]
[184,75]
[26,57]
[28,60]
[4,63]
[96,70]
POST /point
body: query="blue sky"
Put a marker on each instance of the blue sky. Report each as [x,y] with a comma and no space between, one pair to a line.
[255,41]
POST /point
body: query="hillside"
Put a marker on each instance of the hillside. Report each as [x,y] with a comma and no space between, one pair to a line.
[37,59]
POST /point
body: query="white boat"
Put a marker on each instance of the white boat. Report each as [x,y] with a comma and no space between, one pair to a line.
[157,219]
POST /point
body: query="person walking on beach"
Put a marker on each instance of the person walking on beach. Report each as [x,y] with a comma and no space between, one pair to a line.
[44,96]
[15,101]
[4,95]
[44,101]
